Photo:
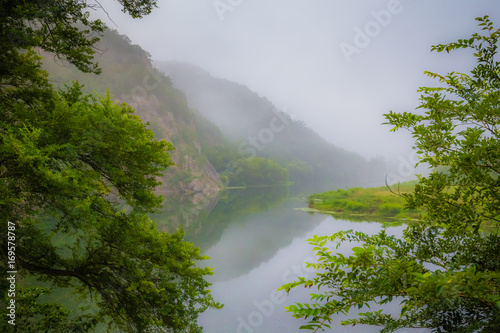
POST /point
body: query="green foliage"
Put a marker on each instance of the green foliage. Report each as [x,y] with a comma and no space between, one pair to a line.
[388,209]
[257,171]
[254,171]
[78,180]
[222,155]
[299,171]
[375,202]
[444,271]
[37,316]
[123,69]
[78,175]
[239,171]
[62,27]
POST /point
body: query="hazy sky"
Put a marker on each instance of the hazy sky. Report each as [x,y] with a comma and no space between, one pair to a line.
[337,65]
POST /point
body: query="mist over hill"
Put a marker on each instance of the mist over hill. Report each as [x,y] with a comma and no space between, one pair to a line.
[128,75]
[224,133]
[257,128]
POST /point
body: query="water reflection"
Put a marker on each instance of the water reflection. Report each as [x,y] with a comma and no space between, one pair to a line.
[253,239]
[260,249]
[204,220]
[256,241]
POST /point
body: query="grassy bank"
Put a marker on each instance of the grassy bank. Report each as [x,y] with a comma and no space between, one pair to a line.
[374,201]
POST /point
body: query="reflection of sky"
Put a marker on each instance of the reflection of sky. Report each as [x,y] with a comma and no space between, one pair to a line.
[251,304]
[254,239]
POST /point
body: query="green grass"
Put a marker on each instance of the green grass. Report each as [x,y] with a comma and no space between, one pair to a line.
[374,201]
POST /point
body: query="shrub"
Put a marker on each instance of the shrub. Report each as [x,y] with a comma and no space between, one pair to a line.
[388,209]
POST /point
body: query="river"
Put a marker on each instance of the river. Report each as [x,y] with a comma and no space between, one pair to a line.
[256,239]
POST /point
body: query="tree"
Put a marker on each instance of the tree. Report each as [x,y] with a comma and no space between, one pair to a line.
[62,27]
[77,181]
[445,270]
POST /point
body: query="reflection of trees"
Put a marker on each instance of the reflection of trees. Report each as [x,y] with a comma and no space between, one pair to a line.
[257,235]
[183,211]
[262,221]
[232,208]
[204,220]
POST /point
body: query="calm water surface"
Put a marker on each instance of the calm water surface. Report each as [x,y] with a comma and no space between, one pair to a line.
[256,239]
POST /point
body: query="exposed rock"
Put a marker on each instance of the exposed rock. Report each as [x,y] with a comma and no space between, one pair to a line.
[206,188]
[206,179]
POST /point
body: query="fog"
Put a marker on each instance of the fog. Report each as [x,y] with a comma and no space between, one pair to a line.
[336,65]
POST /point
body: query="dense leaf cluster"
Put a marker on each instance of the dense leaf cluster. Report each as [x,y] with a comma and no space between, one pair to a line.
[77,179]
[445,270]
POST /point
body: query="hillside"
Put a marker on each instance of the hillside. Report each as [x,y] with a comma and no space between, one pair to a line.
[128,74]
[257,128]
[224,133]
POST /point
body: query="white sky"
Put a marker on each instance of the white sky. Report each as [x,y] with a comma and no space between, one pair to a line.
[290,52]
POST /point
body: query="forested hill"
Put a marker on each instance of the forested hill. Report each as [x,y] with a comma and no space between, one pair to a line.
[129,76]
[255,126]
[224,134]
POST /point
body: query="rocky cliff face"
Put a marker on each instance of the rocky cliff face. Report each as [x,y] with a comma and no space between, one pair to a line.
[192,173]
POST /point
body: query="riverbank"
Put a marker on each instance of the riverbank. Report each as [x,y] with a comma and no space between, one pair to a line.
[374,202]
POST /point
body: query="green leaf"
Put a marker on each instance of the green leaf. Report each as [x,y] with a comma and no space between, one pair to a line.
[439,290]
[358,250]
